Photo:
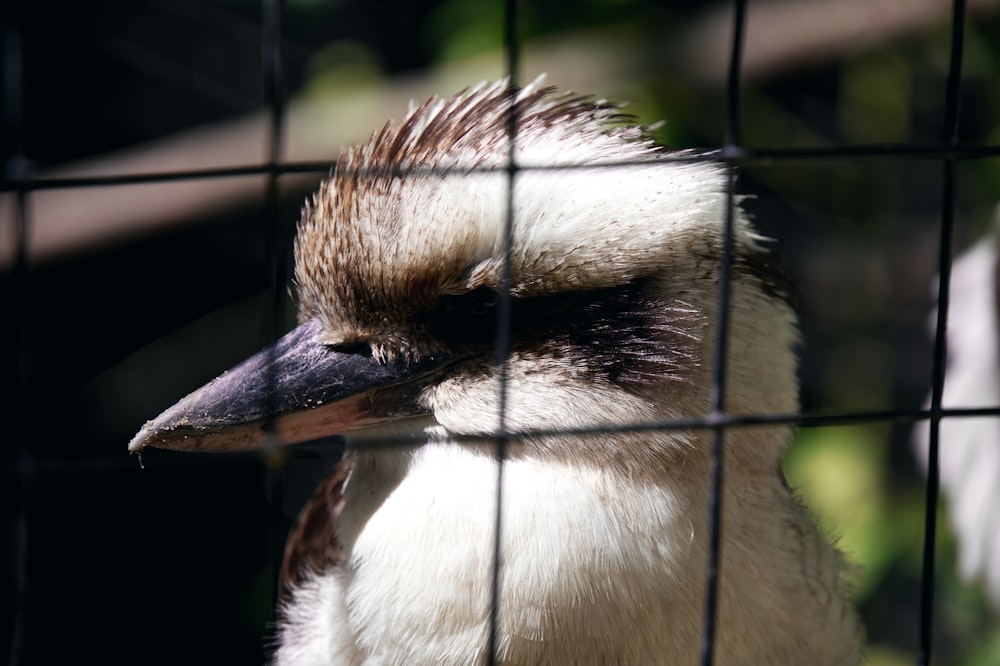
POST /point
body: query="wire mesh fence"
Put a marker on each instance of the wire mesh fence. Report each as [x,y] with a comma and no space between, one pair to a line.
[179,560]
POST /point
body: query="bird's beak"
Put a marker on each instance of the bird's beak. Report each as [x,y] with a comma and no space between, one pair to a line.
[298,389]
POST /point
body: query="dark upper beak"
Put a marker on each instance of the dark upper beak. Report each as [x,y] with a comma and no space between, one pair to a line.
[298,389]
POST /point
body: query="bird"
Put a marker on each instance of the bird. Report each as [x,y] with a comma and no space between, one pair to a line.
[551,226]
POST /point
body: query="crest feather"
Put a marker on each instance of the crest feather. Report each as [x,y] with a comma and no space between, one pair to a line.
[419,211]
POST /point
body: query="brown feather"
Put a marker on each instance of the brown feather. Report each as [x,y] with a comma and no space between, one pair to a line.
[312,545]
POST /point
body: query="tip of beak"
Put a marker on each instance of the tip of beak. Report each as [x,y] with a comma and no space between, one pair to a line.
[135,445]
[189,425]
[142,438]
[186,427]
[160,432]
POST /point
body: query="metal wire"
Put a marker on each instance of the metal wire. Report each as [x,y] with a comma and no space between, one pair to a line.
[16,168]
[949,138]
[745,155]
[278,252]
[718,394]
[502,345]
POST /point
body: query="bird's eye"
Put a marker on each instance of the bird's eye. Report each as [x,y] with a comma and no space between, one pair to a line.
[465,318]
[481,301]
[355,348]
[478,302]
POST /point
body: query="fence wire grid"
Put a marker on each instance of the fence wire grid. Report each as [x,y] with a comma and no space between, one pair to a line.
[109,325]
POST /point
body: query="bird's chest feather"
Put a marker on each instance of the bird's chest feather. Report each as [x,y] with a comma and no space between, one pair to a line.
[586,561]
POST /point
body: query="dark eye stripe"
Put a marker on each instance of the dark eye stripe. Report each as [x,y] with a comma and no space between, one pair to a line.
[626,334]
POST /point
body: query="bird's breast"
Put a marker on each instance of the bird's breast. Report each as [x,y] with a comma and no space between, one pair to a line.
[588,560]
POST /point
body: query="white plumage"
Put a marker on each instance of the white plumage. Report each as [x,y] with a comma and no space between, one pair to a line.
[614,284]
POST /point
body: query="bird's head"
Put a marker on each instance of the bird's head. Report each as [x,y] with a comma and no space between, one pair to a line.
[612,271]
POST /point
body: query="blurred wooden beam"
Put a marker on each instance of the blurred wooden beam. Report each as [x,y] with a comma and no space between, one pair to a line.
[76,218]
[788,35]
[782,35]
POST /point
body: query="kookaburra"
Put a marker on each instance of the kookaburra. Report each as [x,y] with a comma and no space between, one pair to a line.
[613,279]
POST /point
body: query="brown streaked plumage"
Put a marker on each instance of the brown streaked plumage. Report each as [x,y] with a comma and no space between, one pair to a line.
[614,268]
[312,544]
